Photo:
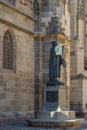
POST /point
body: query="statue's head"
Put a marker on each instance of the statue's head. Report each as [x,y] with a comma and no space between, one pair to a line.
[54,43]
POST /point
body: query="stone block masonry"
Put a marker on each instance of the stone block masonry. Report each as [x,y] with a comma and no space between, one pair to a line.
[17,86]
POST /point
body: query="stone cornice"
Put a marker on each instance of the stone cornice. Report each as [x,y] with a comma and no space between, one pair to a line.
[17,10]
[79,76]
[17,26]
[58,36]
[52,35]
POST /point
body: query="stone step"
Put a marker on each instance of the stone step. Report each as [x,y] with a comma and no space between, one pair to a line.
[75,123]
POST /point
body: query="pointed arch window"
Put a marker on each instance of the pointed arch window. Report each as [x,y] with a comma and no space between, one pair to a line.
[8,51]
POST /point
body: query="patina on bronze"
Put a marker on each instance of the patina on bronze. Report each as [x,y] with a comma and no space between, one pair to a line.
[55,62]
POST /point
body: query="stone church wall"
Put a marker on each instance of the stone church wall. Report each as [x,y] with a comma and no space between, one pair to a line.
[25,5]
[17,87]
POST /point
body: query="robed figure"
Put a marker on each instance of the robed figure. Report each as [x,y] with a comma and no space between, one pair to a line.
[56,60]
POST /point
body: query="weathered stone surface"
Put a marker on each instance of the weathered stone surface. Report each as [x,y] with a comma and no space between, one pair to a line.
[2,96]
[79,48]
[17,87]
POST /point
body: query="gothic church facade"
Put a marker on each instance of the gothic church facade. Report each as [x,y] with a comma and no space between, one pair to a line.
[25,44]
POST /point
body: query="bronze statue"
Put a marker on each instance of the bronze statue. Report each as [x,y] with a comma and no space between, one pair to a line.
[56,61]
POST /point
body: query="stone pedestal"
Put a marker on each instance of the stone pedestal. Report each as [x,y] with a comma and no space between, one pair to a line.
[51,99]
[51,114]
[51,107]
[56,115]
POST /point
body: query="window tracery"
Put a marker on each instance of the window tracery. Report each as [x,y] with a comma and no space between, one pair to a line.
[8,51]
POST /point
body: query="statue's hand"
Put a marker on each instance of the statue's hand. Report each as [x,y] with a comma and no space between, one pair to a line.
[64,63]
[59,49]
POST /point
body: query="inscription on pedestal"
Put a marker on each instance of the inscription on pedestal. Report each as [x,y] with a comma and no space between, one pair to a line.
[51,96]
[51,100]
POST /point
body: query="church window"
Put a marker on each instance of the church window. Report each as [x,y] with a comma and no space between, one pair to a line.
[8,51]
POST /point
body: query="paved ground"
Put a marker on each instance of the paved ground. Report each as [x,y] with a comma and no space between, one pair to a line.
[23,126]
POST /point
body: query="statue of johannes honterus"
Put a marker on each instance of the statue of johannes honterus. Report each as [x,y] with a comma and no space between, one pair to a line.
[56,60]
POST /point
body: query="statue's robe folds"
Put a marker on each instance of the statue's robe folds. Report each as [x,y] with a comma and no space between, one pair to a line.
[54,64]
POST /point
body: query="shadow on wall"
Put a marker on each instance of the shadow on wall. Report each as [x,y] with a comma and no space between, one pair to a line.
[78,109]
[36,73]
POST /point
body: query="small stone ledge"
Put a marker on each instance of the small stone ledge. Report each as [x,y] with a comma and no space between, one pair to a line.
[17,26]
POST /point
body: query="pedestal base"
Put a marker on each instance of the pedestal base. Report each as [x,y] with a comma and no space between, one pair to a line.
[56,119]
[56,115]
[51,114]
[75,123]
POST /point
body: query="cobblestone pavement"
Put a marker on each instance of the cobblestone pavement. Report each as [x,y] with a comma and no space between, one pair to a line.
[23,126]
